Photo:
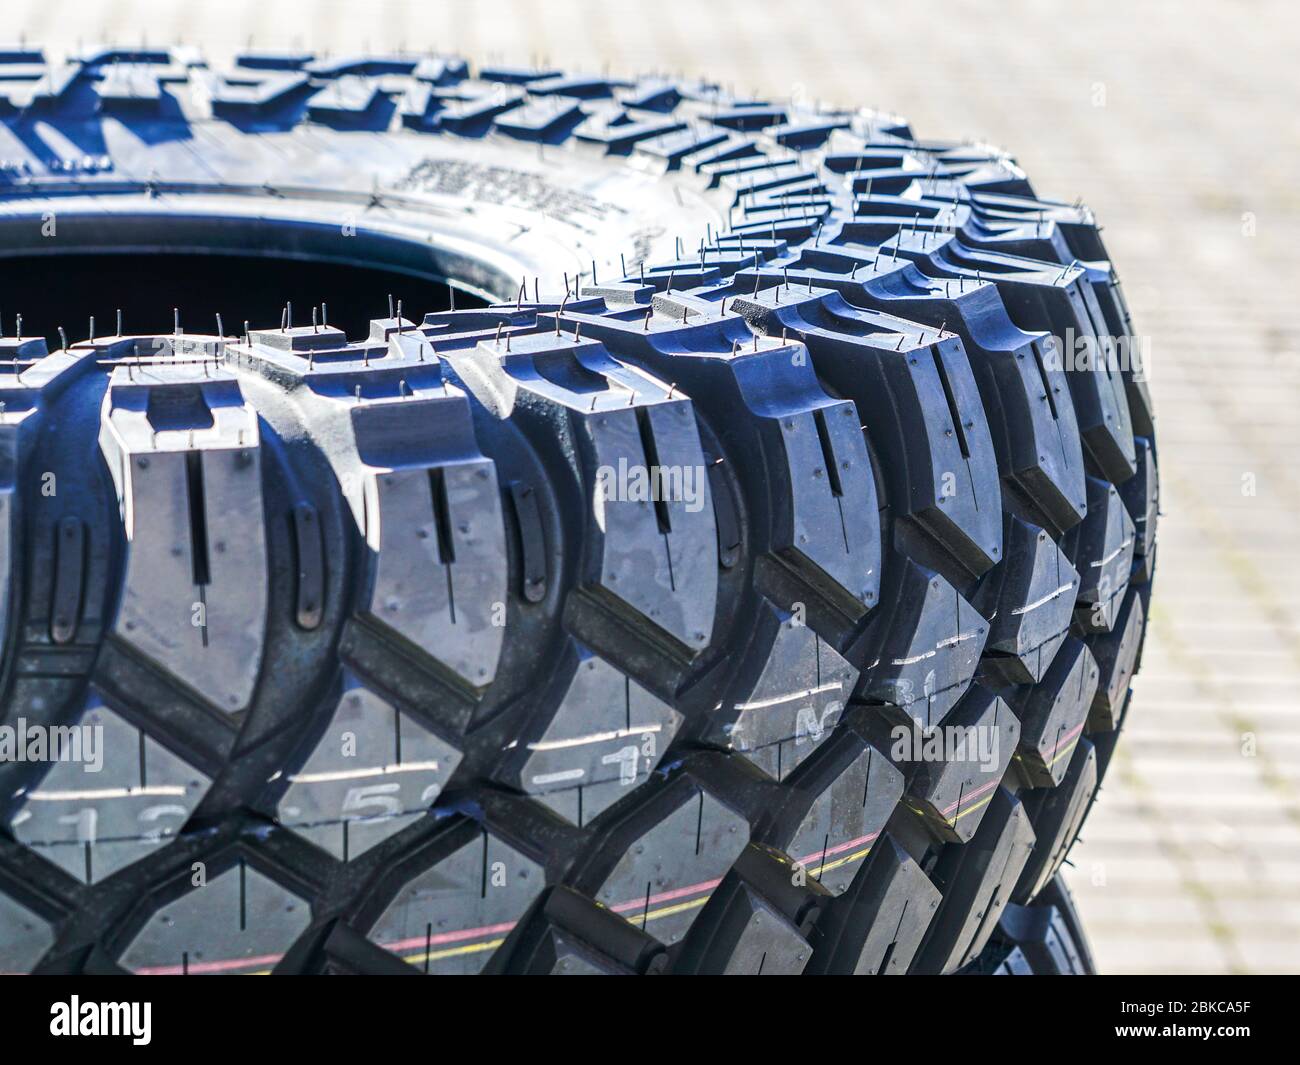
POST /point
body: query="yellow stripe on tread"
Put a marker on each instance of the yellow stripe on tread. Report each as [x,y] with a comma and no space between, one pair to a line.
[1061,754]
[856,856]
[451,952]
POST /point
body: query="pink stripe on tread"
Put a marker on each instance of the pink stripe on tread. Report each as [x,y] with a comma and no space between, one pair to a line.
[1069,736]
[668,896]
[450,937]
[818,856]
[970,795]
[224,965]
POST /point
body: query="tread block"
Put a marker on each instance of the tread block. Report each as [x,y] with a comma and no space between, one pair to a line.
[876,927]
[1030,413]
[976,879]
[1117,658]
[1141,496]
[709,154]
[670,870]
[51,91]
[239,921]
[133,87]
[801,452]
[827,475]
[361,66]
[114,796]
[845,820]
[1045,457]
[262,59]
[508,75]
[449,918]
[348,98]
[416,104]
[434,523]
[677,533]
[1063,303]
[346,952]
[1102,549]
[605,737]
[441,70]
[1104,416]
[372,772]
[1030,600]
[666,151]
[250,95]
[620,136]
[474,112]
[930,650]
[651,547]
[922,410]
[651,94]
[565,933]
[748,934]
[805,131]
[1109,295]
[747,118]
[1057,815]
[1053,714]
[184,451]
[24,936]
[580,86]
[767,169]
[794,701]
[539,120]
[569,959]
[767,944]
[953,773]
[749,184]
[1043,943]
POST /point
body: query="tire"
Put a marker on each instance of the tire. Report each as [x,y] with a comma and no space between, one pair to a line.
[619,731]
[1042,938]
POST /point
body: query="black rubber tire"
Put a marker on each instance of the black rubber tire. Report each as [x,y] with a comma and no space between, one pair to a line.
[1041,938]
[612,734]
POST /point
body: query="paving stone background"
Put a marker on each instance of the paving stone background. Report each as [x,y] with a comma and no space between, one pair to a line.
[1179,123]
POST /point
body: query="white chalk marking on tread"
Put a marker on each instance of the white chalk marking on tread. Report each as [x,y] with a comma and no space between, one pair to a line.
[1112,556]
[595,737]
[106,793]
[1042,602]
[759,704]
[951,641]
[557,778]
[356,774]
